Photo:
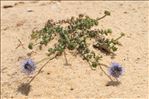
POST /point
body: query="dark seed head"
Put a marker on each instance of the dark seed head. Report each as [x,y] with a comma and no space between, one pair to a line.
[28,66]
[115,70]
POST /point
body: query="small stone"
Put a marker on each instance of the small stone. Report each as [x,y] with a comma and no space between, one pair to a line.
[29,10]
[125,12]
[71,89]
[7,6]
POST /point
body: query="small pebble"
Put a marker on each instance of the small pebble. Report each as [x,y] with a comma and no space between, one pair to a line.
[7,6]
[125,12]
[29,10]
[71,89]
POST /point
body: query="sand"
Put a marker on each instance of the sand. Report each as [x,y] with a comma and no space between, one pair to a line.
[78,80]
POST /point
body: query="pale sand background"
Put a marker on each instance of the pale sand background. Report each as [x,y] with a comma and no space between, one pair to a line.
[127,17]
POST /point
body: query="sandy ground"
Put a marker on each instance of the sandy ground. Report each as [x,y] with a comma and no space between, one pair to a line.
[78,80]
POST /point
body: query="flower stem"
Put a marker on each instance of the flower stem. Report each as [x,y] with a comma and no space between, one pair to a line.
[66,59]
[101,17]
[42,60]
[105,73]
[41,69]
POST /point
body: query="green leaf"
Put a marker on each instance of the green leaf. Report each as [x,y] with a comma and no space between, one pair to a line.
[94,64]
[107,13]
[109,31]
[30,46]
[114,48]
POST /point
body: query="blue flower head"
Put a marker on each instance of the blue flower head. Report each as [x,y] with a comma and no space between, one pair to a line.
[115,70]
[28,66]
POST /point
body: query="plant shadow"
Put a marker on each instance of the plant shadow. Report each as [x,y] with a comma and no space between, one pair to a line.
[24,88]
[113,83]
[106,51]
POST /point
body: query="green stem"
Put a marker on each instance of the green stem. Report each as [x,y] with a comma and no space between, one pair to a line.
[36,43]
[119,37]
[42,60]
[101,17]
[66,59]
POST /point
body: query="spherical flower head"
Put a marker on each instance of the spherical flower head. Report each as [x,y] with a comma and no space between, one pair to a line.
[28,66]
[116,70]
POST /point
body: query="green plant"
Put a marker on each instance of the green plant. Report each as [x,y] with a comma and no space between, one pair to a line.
[73,35]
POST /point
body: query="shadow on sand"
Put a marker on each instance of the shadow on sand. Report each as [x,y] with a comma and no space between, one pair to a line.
[24,88]
[113,83]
